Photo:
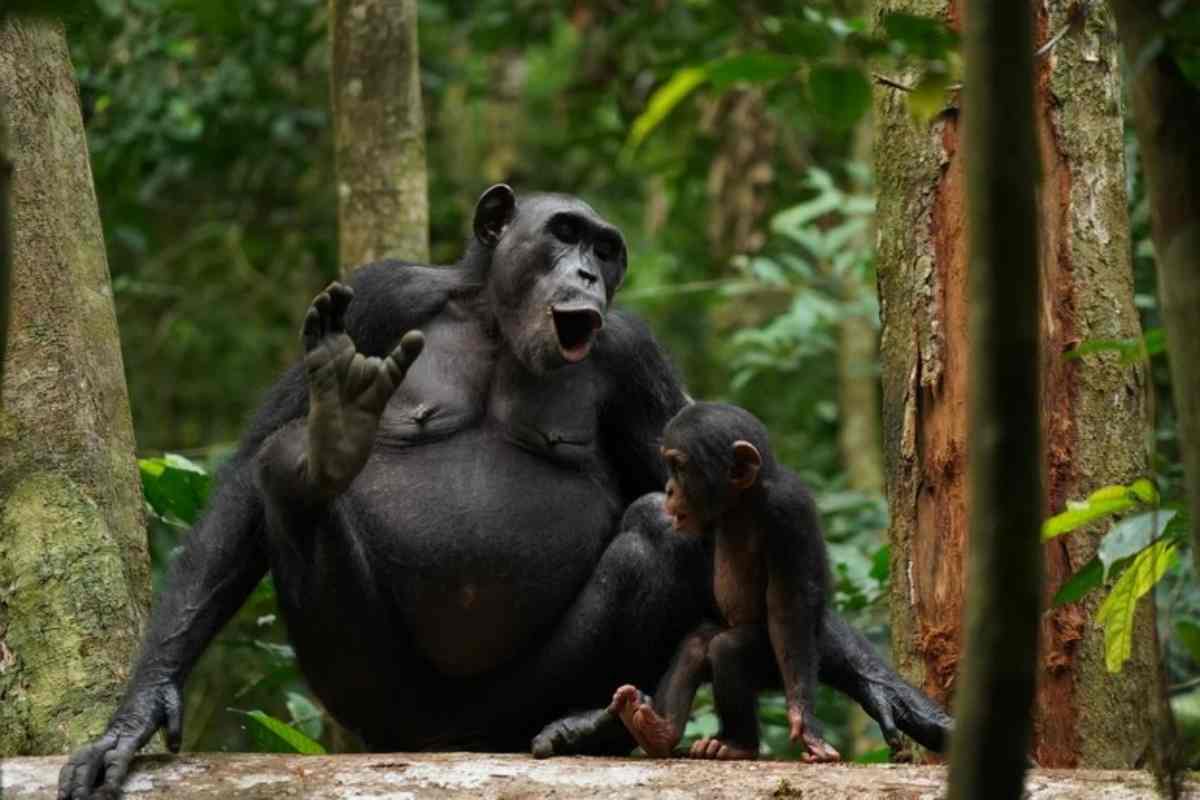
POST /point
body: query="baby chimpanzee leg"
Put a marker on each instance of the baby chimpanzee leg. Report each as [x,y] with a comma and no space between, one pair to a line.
[742,663]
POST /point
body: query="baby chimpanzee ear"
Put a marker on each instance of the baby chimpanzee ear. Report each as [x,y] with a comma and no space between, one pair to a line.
[493,212]
[746,462]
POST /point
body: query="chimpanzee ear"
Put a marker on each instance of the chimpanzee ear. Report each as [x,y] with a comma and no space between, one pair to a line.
[493,212]
[746,462]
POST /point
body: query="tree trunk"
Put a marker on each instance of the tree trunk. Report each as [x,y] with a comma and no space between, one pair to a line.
[5,239]
[1093,410]
[74,572]
[449,776]
[1166,113]
[379,132]
[989,753]
[858,383]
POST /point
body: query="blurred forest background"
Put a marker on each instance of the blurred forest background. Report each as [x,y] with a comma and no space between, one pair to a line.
[744,192]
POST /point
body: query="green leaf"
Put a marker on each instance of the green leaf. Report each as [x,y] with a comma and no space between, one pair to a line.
[1089,576]
[1099,504]
[306,716]
[758,67]
[1132,535]
[271,735]
[1117,610]
[662,102]
[882,755]
[1188,633]
[928,97]
[175,487]
[923,37]
[1132,350]
[840,94]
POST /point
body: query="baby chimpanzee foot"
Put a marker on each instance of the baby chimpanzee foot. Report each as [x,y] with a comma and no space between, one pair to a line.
[347,391]
[721,750]
[655,735]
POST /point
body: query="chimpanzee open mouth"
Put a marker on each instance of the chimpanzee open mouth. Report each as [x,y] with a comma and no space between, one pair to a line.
[576,329]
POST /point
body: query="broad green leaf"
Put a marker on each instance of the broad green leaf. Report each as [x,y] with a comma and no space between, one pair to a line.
[1188,633]
[1117,610]
[1087,578]
[1132,535]
[1099,504]
[928,97]
[881,564]
[1143,489]
[1131,350]
[759,67]
[840,94]
[923,37]
[271,735]
[306,716]
[175,487]
[662,102]
[882,755]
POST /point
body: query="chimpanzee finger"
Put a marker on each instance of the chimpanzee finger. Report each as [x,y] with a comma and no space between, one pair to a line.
[340,296]
[323,303]
[86,766]
[173,708]
[311,332]
[411,344]
[116,766]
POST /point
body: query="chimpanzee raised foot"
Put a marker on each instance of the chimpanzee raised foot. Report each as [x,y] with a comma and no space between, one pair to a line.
[443,530]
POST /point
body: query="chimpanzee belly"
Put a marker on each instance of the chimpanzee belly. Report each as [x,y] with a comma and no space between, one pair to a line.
[444,559]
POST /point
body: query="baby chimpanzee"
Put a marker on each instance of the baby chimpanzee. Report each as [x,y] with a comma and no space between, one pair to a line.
[770,579]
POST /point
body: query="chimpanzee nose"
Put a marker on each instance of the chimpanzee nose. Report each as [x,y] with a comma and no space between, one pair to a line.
[589,277]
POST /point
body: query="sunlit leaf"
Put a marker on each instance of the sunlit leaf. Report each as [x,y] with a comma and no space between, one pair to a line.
[840,94]
[271,735]
[1116,612]
[174,486]
[662,102]
[1099,504]
[928,97]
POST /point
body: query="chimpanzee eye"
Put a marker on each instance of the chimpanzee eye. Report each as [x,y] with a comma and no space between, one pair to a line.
[565,229]
[607,247]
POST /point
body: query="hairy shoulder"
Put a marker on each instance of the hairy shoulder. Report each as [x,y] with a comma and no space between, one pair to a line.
[392,297]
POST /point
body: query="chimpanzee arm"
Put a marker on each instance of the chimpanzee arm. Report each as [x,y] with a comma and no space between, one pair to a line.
[643,392]
[221,561]
[797,591]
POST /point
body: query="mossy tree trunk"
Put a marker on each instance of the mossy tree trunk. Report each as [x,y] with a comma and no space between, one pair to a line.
[74,571]
[1166,113]
[379,132]
[989,751]
[1093,411]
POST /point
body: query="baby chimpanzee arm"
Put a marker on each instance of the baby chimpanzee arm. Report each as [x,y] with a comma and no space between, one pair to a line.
[797,592]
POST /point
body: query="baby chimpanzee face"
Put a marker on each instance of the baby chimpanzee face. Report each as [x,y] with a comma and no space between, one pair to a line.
[685,502]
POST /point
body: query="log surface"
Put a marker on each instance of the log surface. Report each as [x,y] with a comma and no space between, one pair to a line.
[409,776]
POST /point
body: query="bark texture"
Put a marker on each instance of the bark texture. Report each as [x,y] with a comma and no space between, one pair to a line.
[1166,114]
[444,776]
[1093,411]
[993,721]
[379,132]
[74,571]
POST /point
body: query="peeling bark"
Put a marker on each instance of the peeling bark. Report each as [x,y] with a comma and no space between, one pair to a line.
[74,570]
[1093,411]
[406,776]
[379,132]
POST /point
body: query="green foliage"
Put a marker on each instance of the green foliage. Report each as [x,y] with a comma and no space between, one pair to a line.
[1099,504]
[1117,611]
[176,488]
[1131,351]
[275,736]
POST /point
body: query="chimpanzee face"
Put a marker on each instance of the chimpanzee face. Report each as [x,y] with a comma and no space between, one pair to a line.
[555,266]
[710,465]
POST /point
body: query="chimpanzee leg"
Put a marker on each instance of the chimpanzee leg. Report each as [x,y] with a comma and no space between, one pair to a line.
[649,590]
[742,663]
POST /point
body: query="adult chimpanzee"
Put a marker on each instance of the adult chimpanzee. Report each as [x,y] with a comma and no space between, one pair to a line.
[442,529]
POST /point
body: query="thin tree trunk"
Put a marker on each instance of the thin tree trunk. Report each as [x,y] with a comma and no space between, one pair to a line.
[1093,410]
[990,748]
[1166,114]
[858,382]
[5,240]
[74,571]
[379,132]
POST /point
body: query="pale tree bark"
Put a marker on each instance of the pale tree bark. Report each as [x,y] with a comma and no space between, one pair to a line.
[1166,115]
[451,776]
[74,571]
[379,132]
[1093,410]
[989,751]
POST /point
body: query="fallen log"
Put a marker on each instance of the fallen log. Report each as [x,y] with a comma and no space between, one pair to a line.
[445,776]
